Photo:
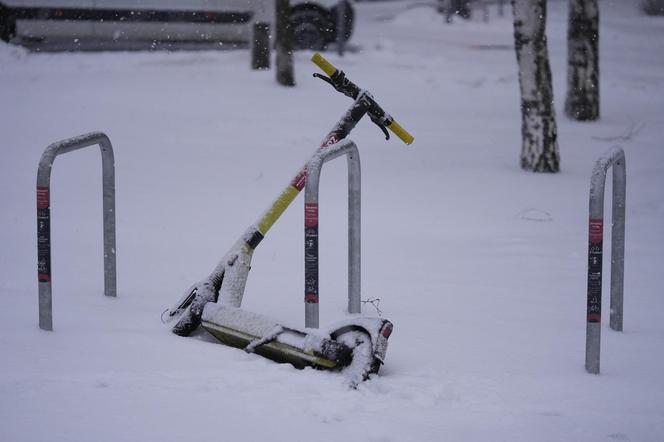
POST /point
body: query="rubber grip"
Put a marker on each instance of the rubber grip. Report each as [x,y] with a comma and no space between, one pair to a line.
[401,132]
[325,65]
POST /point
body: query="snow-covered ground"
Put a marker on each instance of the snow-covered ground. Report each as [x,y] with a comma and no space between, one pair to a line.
[481,266]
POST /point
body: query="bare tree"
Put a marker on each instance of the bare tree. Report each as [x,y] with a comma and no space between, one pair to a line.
[285,75]
[582,101]
[539,150]
[260,46]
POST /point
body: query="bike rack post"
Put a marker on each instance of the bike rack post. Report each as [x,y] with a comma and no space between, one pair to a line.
[614,157]
[314,167]
[44,217]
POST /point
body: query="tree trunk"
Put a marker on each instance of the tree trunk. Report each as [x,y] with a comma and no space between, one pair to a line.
[260,46]
[284,63]
[539,150]
[582,102]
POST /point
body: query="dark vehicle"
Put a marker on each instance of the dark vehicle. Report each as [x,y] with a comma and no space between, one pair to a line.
[315,23]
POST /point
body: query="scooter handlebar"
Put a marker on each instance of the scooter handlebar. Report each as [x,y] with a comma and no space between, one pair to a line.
[400,132]
[323,64]
[393,126]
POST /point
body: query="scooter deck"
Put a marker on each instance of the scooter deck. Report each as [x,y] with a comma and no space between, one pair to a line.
[266,337]
[276,351]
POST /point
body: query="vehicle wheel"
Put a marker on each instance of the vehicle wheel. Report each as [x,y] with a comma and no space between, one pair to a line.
[349,20]
[311,29]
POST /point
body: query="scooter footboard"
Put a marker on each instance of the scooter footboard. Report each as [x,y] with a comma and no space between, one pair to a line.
[264,336]
[357,346]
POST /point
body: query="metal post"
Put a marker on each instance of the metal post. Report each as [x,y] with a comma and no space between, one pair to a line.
[314,167]
[44,217]
[616,158]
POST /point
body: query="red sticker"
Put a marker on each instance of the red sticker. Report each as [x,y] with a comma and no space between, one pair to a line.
[310,214]
[42,198]
[387,330]
[330,141]
[311,297]
[300,179]
[42,277]
[595,230]
[594,317]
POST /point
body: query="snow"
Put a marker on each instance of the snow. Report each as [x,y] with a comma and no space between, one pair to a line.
[488,302]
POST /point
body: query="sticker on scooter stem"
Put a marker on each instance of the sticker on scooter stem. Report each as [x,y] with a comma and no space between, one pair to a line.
[301,178]
[330,141]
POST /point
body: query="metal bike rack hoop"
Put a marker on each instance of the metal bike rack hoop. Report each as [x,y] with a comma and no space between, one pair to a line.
[615,158]
[348,148]
[44,217]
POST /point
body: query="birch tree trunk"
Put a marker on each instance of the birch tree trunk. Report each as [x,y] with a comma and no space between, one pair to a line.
[539,149]
[582,101]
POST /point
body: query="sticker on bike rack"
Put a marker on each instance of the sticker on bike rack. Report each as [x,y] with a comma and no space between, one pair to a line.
[311,262]
[595,230]
[43,199]
[310,214]
[311,298]
[43,235]
[594,307]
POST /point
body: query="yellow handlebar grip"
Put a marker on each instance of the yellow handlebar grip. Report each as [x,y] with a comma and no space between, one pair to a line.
[401,132]
[325,65]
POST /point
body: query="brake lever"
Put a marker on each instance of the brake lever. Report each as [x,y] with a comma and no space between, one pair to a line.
[324,78]
[341,84]
[382,127]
